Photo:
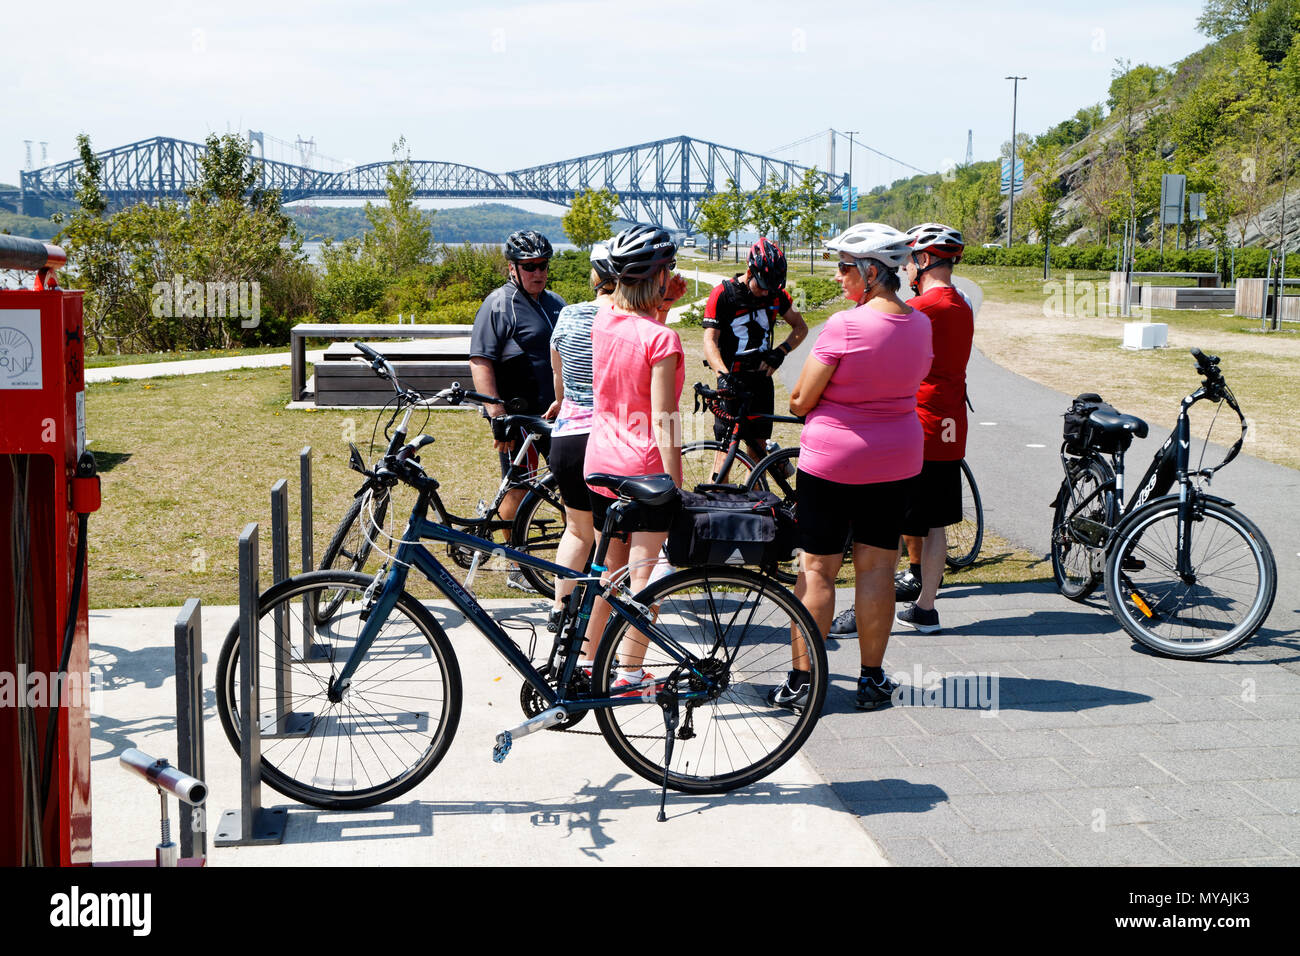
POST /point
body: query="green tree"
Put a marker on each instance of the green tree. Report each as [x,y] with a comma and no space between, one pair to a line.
[400,239]
[590,217]
[1221,17]
[713,218]
[808,203]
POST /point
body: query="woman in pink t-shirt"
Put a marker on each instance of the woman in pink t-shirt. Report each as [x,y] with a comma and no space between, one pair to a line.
[637,375]
[861,444]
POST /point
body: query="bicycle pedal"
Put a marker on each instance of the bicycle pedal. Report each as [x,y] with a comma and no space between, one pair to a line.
[501,749]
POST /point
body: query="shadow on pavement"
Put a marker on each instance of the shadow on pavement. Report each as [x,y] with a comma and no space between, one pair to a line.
[586,814]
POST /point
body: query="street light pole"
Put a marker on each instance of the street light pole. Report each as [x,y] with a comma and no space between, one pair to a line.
[852,133]
[1011,179]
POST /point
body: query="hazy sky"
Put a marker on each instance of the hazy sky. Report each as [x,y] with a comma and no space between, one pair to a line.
[502,86]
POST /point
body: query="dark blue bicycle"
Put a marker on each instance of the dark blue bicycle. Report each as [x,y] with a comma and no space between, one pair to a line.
[368,712]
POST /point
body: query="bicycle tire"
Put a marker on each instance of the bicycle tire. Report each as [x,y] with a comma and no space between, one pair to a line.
[778,473]
[375,744]
[697,465]
[1233,591]
[538,527]
[965,538]
[350,547]
[1075,564]
[737,624]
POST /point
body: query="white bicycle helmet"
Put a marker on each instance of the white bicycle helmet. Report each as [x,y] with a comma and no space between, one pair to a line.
[873,240]
[937,239]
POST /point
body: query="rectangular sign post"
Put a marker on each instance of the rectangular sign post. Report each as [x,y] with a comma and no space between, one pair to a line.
[1173,190]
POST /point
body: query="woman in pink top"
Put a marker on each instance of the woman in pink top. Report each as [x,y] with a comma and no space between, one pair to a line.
[860,446]
[637,375]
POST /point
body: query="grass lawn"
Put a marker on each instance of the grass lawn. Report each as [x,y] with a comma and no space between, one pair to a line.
[187,461]
[1072,344]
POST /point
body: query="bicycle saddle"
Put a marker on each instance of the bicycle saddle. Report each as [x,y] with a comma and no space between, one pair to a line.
[647,489]
[1116,422]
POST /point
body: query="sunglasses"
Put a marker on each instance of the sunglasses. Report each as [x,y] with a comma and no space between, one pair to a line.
[533,266]
[847,267]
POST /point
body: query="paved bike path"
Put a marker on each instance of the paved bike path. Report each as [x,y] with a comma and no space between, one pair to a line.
[1013,450]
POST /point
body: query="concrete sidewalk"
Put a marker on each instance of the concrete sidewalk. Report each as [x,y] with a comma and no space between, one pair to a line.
[194,366]
[558,799]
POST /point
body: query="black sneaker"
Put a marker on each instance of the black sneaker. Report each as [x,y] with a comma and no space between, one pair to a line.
[907,587]
[872,695]
[918,619]
[783,696]
[845,624]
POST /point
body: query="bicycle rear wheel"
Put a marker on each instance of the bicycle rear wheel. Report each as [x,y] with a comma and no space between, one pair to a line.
[699,458]
[1076,565]
[737,625]
[352,544]
[1217,607]
[778,473]
[964,539]
[538,528]
[395,721]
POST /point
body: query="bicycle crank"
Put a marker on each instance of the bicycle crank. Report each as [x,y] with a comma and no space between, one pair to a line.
[543,721]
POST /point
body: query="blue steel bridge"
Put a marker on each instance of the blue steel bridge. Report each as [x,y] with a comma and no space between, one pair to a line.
[659,182]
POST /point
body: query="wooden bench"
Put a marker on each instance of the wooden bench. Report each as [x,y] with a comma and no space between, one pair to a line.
[1206,294]
[299,335]
[426,366]
[1255,297]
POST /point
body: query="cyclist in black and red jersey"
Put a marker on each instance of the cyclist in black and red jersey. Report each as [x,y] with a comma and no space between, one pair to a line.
[740,316]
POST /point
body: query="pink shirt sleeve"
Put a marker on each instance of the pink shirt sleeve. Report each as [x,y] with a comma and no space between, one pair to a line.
[831,344]
[662,343]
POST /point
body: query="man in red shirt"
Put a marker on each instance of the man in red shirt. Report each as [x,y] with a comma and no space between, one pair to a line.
[941,406]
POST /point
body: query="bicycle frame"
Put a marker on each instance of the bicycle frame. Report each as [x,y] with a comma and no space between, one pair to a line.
[411,554]
[742,414]
[1168,465]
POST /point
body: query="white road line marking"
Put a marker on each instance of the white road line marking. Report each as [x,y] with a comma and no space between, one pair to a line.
[988,423]
[1035,446]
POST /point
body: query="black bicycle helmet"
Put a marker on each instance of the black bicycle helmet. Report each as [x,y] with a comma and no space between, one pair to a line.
[601,262]
[639,252]
[767,265]
[528,244]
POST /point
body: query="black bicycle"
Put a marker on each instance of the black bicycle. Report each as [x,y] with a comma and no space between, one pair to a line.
[1185,574]
[536,527]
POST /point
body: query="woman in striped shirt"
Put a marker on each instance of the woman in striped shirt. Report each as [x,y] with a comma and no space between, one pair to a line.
[572,411]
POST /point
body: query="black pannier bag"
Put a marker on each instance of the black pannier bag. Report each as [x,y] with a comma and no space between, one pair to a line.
[728,525]
[1081,435]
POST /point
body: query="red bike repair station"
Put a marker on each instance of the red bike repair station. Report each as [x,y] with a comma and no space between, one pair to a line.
[44,744]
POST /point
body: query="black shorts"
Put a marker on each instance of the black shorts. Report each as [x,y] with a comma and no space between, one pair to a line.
[568,453]
[934,499]
[830,513]
[758,430]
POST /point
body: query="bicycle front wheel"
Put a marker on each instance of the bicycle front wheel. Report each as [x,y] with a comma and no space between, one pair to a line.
[1075,561]
[964,539]
[395,720]
[700,458]
[538,528]
[1219,605]
[738,627]
[352,544]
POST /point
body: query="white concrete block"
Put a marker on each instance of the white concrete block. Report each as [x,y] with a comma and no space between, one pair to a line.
[1145,335]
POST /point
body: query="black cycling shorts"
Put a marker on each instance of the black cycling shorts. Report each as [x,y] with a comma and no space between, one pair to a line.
[934,499]
[829,513]
[758,430]
[568,452]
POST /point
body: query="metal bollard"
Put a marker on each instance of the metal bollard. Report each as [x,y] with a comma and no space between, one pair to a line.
[189,722]
[167,780]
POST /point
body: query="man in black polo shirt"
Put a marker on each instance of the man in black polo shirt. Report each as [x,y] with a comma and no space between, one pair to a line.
[510,348]
[740,316]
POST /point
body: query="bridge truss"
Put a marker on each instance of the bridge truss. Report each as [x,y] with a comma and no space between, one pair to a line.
[660,182]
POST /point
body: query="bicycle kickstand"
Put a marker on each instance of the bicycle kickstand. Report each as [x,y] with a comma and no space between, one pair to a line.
[668,703]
